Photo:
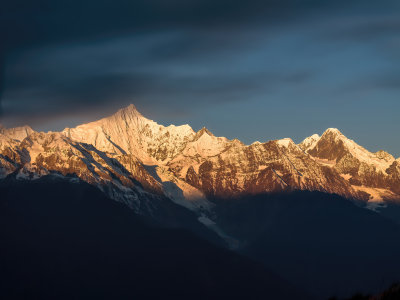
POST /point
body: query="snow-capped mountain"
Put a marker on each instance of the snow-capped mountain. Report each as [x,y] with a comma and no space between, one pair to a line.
[143,164]
[376,175]
[128,132]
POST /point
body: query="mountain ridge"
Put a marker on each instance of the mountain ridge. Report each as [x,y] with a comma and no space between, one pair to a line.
[117,152]
[262,200]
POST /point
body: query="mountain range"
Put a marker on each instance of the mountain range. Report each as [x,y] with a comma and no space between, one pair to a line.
[262,200]
[127,155]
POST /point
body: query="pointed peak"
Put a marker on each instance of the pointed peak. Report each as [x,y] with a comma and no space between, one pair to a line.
[311,139]
[129,109]
[238,142]
[204,130]
[333,131]
[333,134]
[309,142]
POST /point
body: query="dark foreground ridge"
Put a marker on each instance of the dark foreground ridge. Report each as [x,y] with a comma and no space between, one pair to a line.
[324,243]
[392,293]
[62,240]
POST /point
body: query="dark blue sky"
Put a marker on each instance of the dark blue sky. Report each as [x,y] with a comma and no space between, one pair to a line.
[254,70]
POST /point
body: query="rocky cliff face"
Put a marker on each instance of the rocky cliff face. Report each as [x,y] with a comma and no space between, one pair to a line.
[128,156]
[269,167]
[375,174]
[121,177]
[128,132]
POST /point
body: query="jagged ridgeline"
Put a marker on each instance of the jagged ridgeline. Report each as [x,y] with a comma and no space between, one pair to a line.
[126,155]
[318,212]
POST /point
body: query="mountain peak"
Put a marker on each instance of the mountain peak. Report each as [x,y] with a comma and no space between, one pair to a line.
[310,142]
[129,111]
[285,142]
[204,130]
[333,131]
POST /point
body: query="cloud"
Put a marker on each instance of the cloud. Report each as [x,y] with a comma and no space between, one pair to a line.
[366,27]
[25,23]
[388,82]
[166,68]
[49,96]
[65,56]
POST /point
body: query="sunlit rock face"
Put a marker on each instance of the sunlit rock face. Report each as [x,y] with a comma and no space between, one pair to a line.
[270,167]
[127,156]
[373,173]
[18,133]
[128,132]
[121,177]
